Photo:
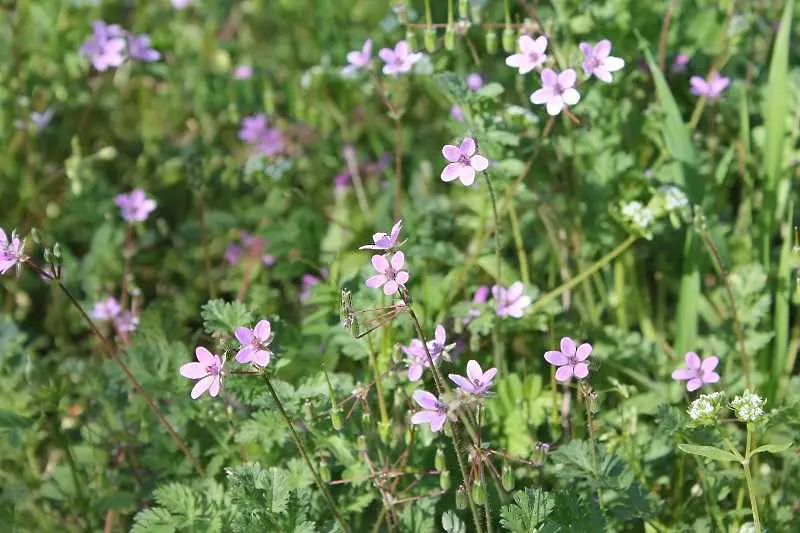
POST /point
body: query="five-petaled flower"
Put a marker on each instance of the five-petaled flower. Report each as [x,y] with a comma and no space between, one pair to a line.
[12,251]
[139,48]
[571,360]
[107,309]
[208,370]
[416,358]
[696,373]
[433,411]
[464,161]
[477,381]
[598,62]
[358,59]
[398,60]
[710,89]
[254,130]
[255,344]
[390,273]
[106,47]
[531,54]
[385,241]
[512,301]
[558,90]
[135,206]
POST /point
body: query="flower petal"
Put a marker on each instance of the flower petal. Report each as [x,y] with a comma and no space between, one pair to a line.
[581,370]
[438,422]
[193,370]
[245,355]
[568,347]
[555,358]
[539,45]
[541,96]
[683,374]
[204,356]
[375,281]
[549,78]
[390,287]
[514,60]
[261,358]
[451,153]
[526,44]
[462,382]
[398,260]
[424,417]
[201,386]
[564,373]
[694,384]
[215,384]
[489,375]
[415,372]
[466,175]
[244,335]
[571,96]
[440,335]
[567,79]
[401,277]
[263,330]
[467,147]
[709,363]
[451,171]
[586,49]
[474,372]
[386,55]
[602,49]
[555,105]
[479,163]
[583,351]
[613,64]
[710,377]
[426,400]
[692,360]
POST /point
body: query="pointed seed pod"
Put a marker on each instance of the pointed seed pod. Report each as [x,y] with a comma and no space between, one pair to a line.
[509,41]
[461,498]
[449,38]
[444,480]
[336,419]
[507,477]
[411,39]
[324,471]
[430,40]
[439,462]
[491,42]
[361,443]
[478,492]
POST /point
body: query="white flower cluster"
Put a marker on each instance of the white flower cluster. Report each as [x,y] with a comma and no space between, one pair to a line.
[673,197]
[749,407]
[704,409]
[638,214]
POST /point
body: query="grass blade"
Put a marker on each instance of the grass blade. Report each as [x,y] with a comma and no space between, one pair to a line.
[780,346]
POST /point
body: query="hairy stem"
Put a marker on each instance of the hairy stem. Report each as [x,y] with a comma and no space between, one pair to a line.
[499,359]
[749,479]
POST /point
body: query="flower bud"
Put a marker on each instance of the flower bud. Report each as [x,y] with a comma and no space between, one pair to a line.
[477,13]
[461,498]
[449,38]
[361,443]
[35,237]
[384,431]
[308,411]
[491,42]
[430,40]
[324,471]
[57,251]
[336,419]
[463,9]
[366,419]
[478,492]
[507,477]
[439,462]
[411,38]
[444,480]
[48,256]
[509,41]
[408,437]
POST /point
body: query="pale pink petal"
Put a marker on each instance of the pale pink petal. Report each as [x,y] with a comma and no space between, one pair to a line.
[710,377]
[474,372]
[386,55]
[262,330]
[718,84]
[586,48]
[602,74]
[245,355]
[214,389]
[539,45]
[261,358]
[489,375]
[204,356]
[526,44]
[193,370]
[683,374]
[515,290]
[390,287]
[555,358]
[438,422]
[709,363]
[244,335]
[414,372]
[581,370]
[376,281]
[366,50]
[564,373]
[466,175]
[401,277]
[568,347]
[398,260]
[583,351]
[401,49]
[462,382]
[440,335]
[602,49]
[479,163]
[354,57]
[699,86]
[424,417]
[396,230]
[201,386]
[380,263]
[693,384]
[541,96]
[451,171]
[467,147]
[514,60]
[549,78]
[613,64]
[567,79]
[426,400]
[692,360]
[555,105]
[451,153]
[571,97]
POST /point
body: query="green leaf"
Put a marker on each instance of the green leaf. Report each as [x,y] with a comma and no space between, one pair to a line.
[10,421]
[710,452]
[530,508]
[223,317]
[451,523]
[772,448]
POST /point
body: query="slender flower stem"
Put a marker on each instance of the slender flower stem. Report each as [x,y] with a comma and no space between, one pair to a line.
[749,479]
[473,509]
[499,360]
[587,402]
[301,448]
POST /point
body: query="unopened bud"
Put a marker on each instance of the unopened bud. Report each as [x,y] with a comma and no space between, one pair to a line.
[509,41]
[324,471]
[35,237]
[507,477]
[48,256]
[463,8]
[444,480]
[361,443]
[308,411]
[411,39]
[336,419]
[430,40]
[408,437]
[384,431]
[461,498]
[366,419]
[491,42]
[57,251]
[478,492]
[449,38]
[439,462]
[474,342]
[477,13]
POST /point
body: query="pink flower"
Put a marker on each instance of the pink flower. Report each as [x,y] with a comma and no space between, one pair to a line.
[464,162]
[557,92]
[242,72]
[571,361]
[126,322]
[697,372]
[680,62]
[433,411]
[308,281]
[531,54]
[208,370]
[106,47]
[477,381]
[181,4]
[139,48]
[253,128]
[512,301]
[135,206]
[474,81]
[417,360]
[598,63]
[358,59]
[383,241]
[400,60]
[12,251]
[438,345]
[480,297]
[710,89]
[390,275]
[255,344]
[107,309]
[456,113]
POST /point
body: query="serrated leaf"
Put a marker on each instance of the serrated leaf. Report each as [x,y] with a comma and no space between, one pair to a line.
[451,523]
[223,317]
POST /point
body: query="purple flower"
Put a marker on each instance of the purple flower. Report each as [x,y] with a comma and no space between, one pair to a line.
[474,81]
[464,162]
[268,259]
[307,282]
[139,48]
[477,381]
[181,4]
[571,361]
[480,297]
[341,180]
[390,274]
[208,370]
[271,143]
[242,72]
[106,46]
[433,411]
[456,113]
[598,62]
[126,322]
[255,344]
[383,241]
[710,89]
[557,92]
[696,373]
[512,301]
[679,63]
[400,60]
[531,54]
[233,253]
[12,251]
[358,59]
[253,128]
[135,206]
[417,360]
[438,345]
[107,309]
[40,120]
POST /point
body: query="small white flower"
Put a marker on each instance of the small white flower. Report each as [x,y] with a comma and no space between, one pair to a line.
[638,214]
[673,197]
[749,407]
[705,408]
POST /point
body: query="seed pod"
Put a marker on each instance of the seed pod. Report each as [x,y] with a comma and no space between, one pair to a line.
[430,40]
[478,492]
[477,13]
[507,477]
[411,39]
[449,38]
[324,471]
[439,462]
[408,438]
[35,237]
[461,498]
[361,443]
[444,480]
[463,9]
[336,419]
[366,419]
[308,411]
[509,41]
[57,251]
[491,41]
[384,431]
